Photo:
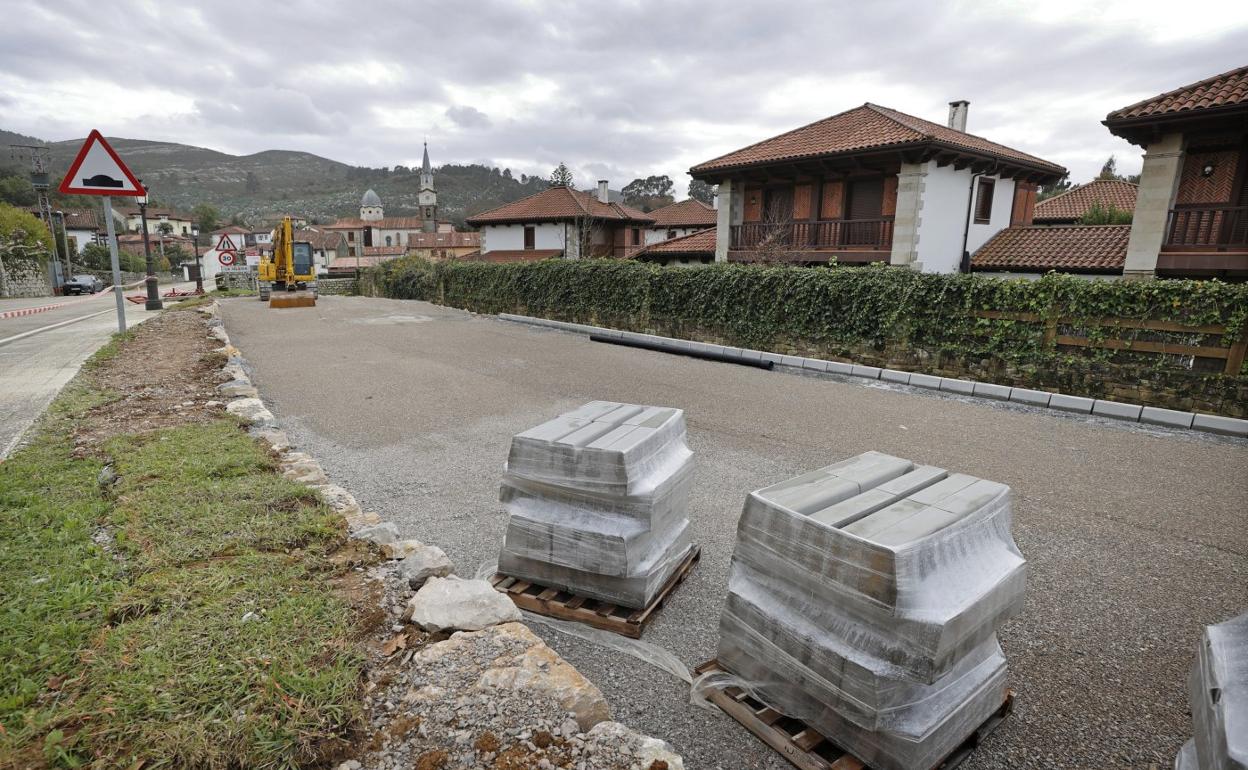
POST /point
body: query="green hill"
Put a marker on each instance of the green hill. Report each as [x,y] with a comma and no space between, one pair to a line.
[284,181]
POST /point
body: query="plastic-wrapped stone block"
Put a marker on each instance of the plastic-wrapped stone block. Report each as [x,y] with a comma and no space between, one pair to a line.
[597,501]
[1218,688]
[864,598]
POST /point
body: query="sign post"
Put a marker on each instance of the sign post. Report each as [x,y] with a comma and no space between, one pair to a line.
[98,171]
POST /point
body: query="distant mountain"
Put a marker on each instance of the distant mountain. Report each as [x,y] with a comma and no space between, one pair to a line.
[284,181]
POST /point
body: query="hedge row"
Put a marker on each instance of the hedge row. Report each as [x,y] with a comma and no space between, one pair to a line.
[845,309]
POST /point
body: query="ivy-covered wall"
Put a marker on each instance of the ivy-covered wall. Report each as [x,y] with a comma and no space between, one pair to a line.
[880,316]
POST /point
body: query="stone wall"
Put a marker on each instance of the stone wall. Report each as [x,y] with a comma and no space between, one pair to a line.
[236,281]
[23,278]
[336,286]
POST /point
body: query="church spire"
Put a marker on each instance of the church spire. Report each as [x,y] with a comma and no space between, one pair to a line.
[425,168]
[427,197]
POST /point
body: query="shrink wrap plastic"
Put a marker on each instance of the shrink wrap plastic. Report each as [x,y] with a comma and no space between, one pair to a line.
[864,599]
[597,501]
[1218,688]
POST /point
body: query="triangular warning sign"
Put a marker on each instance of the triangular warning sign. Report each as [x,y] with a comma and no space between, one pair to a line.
[98,171]
[225,244]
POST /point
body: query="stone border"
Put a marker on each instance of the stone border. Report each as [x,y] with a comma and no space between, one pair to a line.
[1150,415]
[442,601]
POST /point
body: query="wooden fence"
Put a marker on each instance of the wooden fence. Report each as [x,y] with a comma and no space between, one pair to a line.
[1232,354]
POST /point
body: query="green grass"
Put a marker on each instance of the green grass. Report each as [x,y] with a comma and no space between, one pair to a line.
[138,651]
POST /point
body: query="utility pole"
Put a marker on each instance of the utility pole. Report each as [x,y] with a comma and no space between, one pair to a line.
[38,154]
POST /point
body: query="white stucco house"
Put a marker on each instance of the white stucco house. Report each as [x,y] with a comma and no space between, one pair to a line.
[82,226]
[679,219]
[872,184]
[561,222]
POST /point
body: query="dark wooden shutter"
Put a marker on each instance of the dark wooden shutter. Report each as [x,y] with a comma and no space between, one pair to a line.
[801,202]
[833,199]
[983,200]
[530,237]
[753,204]
[888,207]
[866,198]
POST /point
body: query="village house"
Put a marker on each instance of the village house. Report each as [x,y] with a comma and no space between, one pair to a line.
[561,222]
[1190,208]
[131,220]
[678,219]
[82,226]
[696,248]
[871,184]
[373,229]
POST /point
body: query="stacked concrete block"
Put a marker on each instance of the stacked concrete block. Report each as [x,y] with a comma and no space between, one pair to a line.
[1218,688]
[598,502]
[864,598]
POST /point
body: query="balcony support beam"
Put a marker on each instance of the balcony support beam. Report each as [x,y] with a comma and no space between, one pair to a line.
[1159,182]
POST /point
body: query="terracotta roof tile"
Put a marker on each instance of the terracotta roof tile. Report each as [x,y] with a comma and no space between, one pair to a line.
[1229,88]
[1078,248]
[75,219]
[1076,201]
[558,203]
[686,213]
[862,129]
[320,239]
[384,251]
[452,240]
[699,243]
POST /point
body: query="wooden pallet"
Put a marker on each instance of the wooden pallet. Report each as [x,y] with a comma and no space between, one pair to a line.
[556,603]
[806,748]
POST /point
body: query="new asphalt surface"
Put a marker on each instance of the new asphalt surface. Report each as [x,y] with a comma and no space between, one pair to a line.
[1136,536]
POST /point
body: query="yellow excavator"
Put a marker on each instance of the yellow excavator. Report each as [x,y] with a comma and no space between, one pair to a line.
[288,275]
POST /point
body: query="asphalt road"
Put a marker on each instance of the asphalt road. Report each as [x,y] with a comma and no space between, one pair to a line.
[34,367]
[1136,537]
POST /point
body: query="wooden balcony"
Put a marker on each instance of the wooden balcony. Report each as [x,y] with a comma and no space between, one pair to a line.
[826,235]
[1208,228]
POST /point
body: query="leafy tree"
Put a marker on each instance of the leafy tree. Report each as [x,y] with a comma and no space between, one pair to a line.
[21,226]
[701,191]
[17,191]
[561,176]
[1057,188]
[164,228]
[206,216]
[253,183]
[96,256]
[650,193]
[1109,171]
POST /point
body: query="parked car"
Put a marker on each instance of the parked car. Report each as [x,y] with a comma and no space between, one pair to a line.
[83,284]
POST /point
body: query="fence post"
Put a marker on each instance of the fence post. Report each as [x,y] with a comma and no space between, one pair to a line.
[1050,329]
[1235,356]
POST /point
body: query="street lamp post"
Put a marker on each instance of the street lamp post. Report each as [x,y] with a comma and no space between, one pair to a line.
[153,290]
[65,241]
[199,270]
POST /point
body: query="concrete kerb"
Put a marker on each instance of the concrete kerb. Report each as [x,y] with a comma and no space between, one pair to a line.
[362,525]
[1227,426]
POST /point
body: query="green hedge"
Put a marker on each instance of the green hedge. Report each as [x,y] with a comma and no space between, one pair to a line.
[846,310]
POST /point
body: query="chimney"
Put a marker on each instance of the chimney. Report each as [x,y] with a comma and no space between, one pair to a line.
[603,195]
[957,114]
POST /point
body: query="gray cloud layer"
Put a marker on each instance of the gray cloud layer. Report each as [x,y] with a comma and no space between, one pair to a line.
[616,90]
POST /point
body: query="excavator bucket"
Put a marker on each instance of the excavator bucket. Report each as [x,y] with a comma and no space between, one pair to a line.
[293,299]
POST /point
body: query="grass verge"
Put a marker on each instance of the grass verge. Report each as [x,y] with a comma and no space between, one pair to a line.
[168,600]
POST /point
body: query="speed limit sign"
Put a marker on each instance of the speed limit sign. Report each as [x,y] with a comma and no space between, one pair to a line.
[226,258]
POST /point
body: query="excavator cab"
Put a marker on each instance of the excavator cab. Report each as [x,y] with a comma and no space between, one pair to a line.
[288,275]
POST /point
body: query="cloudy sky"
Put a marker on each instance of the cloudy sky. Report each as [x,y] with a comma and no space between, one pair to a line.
[616,89]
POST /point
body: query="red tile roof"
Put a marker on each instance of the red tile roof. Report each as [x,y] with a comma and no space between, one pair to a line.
[1075,202]
[558,204]
[1227,89]
[320,239]
[686,213]
[75,219]
[1072,248]
[232,230]
[384,251]
[453,240]
[348,223]
[866,128]
[700,243]
[514,255]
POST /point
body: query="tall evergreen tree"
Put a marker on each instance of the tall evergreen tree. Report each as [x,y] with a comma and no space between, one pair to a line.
[561,176]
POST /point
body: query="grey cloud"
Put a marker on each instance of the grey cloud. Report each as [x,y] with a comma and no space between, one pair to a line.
[466,116]
[628,79]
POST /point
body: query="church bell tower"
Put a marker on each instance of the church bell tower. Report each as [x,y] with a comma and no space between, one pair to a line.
[428,197]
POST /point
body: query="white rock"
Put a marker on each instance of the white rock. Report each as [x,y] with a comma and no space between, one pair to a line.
[423,563]
[339,499]
[219,333]
[381,534]
[251,411]
[276,438]
[645,751]
[469,605]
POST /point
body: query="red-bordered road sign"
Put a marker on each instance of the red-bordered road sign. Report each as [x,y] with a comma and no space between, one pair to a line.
[225,243]
[226,258]
[98,171]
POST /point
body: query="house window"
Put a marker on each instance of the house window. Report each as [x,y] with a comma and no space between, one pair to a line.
[530,237]
[636,236]
[388,243]
[983,200]
[671,234]
[350,236]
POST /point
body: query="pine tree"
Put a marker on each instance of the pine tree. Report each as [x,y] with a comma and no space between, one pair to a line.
[561,176]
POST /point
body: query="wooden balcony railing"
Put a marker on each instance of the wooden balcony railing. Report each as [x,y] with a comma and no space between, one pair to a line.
[1208,227]
[864,234]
